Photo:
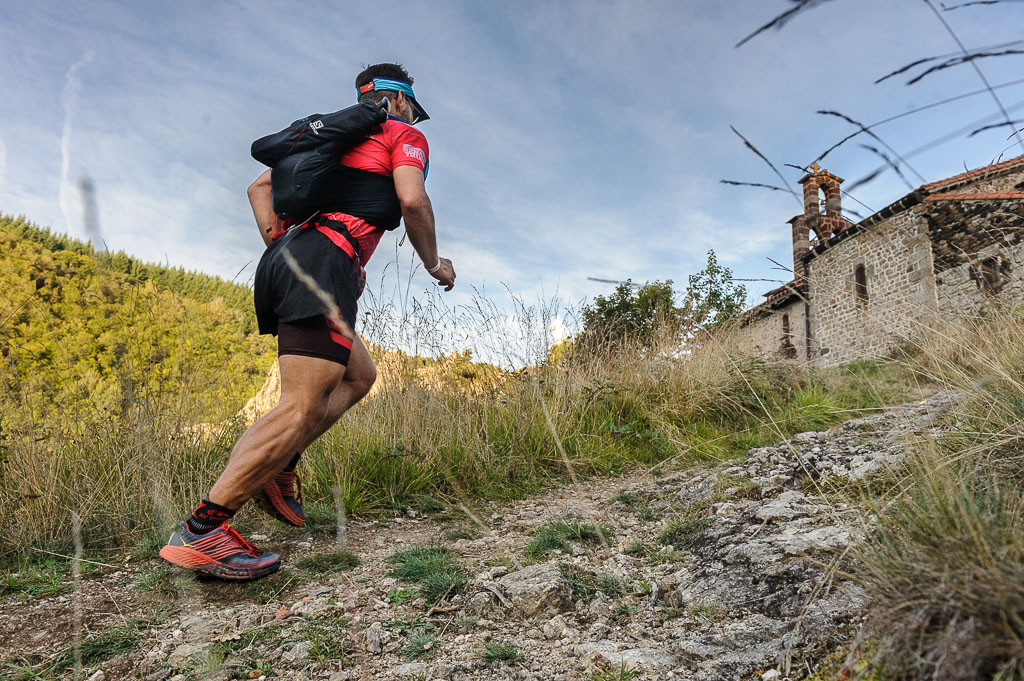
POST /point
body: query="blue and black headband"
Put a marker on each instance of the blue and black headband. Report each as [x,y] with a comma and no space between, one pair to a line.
[395,86]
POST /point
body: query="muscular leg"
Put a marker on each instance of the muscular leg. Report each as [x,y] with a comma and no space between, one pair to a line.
[307,387]
[358,379]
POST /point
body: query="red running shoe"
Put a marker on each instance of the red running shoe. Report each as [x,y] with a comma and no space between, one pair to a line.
[282,498]
[222,553]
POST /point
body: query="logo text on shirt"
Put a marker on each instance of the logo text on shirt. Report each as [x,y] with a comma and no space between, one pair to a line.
[414,152]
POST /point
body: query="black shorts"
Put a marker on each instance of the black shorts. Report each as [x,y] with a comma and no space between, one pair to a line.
[314,337]
[284,295]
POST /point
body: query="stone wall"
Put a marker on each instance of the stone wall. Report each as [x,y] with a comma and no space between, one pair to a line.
[898,294]
[935,253]
[760,330]
[978,253]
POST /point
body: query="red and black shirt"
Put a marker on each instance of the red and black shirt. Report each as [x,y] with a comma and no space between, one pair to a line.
[367,203]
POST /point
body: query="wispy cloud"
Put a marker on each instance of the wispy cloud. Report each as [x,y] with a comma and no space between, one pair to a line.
[3,163]
[567,141]
[69,102]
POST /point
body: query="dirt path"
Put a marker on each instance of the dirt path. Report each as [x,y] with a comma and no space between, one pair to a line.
[706,573]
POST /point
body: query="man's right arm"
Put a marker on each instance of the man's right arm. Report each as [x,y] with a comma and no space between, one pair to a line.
[419,222]
[262,203]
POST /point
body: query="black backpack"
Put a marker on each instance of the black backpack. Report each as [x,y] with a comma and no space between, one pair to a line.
[305,155]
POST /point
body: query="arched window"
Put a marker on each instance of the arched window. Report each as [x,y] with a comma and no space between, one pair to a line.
[822,201]
[786,342]
[860,284]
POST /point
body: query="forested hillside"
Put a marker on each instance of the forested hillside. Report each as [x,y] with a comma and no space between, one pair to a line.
[88,330]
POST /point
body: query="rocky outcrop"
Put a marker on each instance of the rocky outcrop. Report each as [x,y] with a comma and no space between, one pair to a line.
[264,399]
[705,574]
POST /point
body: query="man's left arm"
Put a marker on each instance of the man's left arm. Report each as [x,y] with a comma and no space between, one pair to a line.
[418,215]
[262,202]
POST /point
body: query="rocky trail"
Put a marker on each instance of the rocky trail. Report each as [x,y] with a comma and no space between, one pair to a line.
[707,573]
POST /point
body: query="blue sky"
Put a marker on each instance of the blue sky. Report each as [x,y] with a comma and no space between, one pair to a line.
[568,139]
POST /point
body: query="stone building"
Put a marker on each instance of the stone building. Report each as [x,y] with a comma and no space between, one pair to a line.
[947,250]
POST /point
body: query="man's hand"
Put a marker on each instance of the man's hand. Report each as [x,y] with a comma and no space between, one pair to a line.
[445,275]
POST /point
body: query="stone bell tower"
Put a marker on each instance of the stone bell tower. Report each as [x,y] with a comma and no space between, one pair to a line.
[822,215]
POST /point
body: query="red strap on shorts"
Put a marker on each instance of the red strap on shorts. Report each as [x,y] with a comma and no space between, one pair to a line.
[338,240]
[336,335]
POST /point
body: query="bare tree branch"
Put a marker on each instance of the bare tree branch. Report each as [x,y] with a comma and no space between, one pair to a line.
[977,69]
[997,125]
[975,2]
[987,48]
[864,129]
[895,166]
[737,183]
[867,178]
[781,20]
[765,159]
[957,61]
[914,111]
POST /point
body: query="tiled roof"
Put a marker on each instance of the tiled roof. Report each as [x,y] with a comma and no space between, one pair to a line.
[972,174]
[784,291]
[929,193]
[967,196]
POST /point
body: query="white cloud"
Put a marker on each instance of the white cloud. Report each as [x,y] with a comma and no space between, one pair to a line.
[569,140]
[69,102]
[3,163]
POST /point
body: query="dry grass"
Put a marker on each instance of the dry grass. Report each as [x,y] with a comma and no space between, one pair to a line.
[944,567]
[451,429]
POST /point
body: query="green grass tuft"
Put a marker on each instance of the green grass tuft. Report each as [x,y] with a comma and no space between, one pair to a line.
[329,639]
[326,563]
[412,565]
[428,503]
[544,542]
[582,584]
[638,548]
[623,673]
[101,646]
[433,569]
[399,596]
[627,499]
[321,518]
[557,535]
[500,652]
[683,532]
[443,584]
[623,611]
[161,579]
[36,582]
[270,588]
[419,647]
[610,585]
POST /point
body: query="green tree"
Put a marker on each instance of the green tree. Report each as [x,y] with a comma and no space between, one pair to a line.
[636,313]
[648,313]
[712,296]
[98,332]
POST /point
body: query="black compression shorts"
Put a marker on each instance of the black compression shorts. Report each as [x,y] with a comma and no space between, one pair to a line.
[313,337]
[284,293]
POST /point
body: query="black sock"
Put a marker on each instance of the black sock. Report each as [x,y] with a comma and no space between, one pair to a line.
[293,463]
[207,517]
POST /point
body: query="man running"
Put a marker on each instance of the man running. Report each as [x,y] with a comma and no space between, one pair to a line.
[325,368]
